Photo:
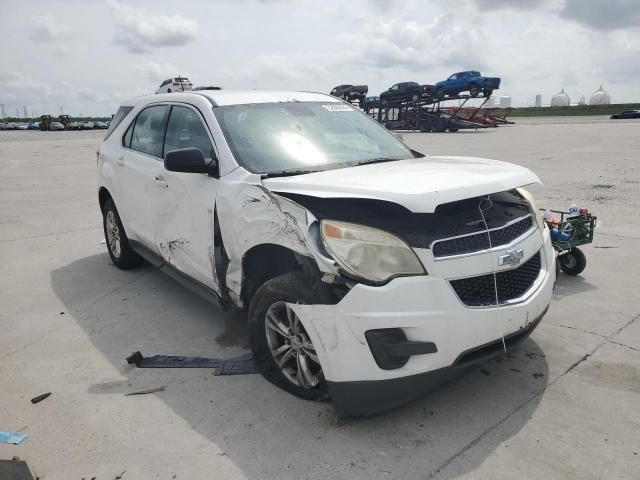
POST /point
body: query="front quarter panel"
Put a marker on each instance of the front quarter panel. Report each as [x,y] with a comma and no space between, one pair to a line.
[249,215]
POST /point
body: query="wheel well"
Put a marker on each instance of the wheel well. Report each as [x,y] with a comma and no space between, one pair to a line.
[262,263]
[103,196]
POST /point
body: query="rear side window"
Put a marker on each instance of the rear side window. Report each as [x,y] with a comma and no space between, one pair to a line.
[117,118]
[185,130]
[147,133]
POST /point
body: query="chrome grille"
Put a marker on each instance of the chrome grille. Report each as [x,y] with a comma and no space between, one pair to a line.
[480,241]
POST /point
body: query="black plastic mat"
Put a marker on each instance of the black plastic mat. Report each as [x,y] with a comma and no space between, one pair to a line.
[241,365]
[15,469]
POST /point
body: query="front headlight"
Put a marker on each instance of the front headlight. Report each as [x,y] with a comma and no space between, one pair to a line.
[369,253]
[537,213]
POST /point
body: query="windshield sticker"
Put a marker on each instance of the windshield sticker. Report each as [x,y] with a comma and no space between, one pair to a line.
[338,107]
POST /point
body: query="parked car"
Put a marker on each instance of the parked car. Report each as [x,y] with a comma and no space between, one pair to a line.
[370,273]
[100,125]
[371,102]
[56,126]
[350,93]
[33,126]
[8,126]
[177,84]
[626,114]
[470,81]
[406,91]
[207,88]
[86,125]
[74,126]
[22,126]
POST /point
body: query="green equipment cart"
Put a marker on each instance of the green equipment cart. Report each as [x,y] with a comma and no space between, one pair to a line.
[571,231]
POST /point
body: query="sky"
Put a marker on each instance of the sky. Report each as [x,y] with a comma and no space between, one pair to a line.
[87,56]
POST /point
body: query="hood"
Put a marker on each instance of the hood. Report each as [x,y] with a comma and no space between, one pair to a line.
[418,184]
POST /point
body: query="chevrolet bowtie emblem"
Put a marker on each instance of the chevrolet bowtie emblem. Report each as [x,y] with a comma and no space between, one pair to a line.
[513,257]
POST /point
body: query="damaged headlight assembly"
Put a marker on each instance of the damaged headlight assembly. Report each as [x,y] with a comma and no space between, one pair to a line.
[368,253]
[535,211]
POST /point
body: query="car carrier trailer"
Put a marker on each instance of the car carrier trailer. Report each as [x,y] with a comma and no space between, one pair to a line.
[428,114]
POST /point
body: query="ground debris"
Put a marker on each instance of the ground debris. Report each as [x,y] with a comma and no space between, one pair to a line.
[144,392]
[40,398]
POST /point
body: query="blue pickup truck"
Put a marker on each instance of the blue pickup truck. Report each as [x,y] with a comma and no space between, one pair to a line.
[470,81]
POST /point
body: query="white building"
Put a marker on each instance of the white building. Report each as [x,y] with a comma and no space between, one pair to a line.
[538,100]
[600,97]
[505,102]
[560,99]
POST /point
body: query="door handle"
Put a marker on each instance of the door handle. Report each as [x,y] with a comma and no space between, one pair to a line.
[120,160]
[160,181]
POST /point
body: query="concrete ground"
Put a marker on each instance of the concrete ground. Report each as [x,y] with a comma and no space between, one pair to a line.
[566,404]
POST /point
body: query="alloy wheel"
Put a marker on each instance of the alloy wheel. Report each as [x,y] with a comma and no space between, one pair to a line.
[113,234]
[291,348]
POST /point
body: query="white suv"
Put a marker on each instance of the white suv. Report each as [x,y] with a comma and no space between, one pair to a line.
[371,273]
[177,84]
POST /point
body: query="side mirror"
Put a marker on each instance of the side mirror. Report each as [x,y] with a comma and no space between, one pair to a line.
[189,160]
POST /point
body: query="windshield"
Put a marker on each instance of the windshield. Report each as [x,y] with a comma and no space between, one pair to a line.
[305,136]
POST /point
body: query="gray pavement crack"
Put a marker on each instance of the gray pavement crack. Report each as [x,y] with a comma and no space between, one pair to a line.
[579,330]
[625,345]
[9,240]
[486,432]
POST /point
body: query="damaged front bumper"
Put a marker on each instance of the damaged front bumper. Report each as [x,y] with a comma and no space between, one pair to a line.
[424,336]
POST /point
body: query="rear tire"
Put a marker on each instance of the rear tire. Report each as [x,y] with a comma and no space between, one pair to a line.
[121,253]
[573,262]
[487,92]
[281,347]
[474,91]
[439,94]
[438,125]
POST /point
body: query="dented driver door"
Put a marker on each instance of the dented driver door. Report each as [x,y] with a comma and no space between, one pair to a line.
[183,203]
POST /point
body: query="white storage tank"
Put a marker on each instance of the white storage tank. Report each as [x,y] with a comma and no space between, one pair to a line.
[560,99]
[600,97]
[538,100]
[505,102]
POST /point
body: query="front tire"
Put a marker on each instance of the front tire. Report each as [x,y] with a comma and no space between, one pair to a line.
[474,91]
[573,262]
[487,92]
[281,346]
[121,253]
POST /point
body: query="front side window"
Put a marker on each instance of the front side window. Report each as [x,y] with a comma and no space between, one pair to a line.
[272,138]
[148,130]
[185,130]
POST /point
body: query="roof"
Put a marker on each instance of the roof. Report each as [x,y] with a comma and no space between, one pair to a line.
[239,97]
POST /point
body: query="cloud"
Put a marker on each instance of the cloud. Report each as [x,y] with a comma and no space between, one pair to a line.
[17,86]
[600,15]
[484,5]
[48,29]
[140,31]
[157,71]
[444,42]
